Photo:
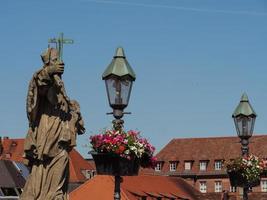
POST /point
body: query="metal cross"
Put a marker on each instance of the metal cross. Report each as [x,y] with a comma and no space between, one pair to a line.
[59,44]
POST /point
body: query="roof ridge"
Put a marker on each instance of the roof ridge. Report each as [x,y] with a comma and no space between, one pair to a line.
[215,137]
[89,181]
[81,186]
[124,194]
[71,168]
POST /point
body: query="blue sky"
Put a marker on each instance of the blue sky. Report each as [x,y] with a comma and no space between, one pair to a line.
[193,61]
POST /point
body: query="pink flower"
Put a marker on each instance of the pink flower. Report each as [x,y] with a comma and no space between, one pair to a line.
[125,144]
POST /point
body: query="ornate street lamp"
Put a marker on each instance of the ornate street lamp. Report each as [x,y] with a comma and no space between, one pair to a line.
[244,117]
[119,77]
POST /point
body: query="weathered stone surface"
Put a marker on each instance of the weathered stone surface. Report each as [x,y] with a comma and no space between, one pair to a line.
[54,121]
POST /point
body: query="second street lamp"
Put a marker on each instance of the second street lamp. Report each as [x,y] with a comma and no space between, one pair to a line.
[244,117]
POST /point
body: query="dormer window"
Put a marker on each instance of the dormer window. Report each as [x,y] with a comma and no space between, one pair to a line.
[8,155]
[158,166]
[203,165]
[188,165]
[13,143]
[173,166]
[218,165]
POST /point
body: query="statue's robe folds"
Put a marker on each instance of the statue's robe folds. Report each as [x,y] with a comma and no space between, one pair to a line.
[51,136]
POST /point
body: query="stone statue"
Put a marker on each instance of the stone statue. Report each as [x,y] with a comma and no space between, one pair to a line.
[54,122]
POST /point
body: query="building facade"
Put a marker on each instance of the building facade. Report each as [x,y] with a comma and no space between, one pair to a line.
[200,162]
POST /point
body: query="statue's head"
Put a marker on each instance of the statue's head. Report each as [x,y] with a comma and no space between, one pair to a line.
[50,56]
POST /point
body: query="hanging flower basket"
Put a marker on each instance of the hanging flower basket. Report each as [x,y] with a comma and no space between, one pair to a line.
[237,180]
[121,153]
[108,164]
[245,171]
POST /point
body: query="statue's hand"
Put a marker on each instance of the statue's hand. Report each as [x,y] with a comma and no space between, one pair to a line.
[55,69]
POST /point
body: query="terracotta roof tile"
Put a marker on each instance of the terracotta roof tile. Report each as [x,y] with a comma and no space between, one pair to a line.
[78,164]
[91,162]
[12,149]
[102,187]
[213,148]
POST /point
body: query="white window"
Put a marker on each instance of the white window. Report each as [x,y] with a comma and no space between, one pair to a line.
[158,166]
[203,165]
[232,189]
[218,186]
[173,166]
[88,173]
[264,185]
[187,165]
[203,186]
[218,165]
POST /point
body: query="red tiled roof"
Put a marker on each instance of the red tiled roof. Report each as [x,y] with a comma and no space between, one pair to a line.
[212,148]
[102,187]
[77,164]
[99,187]
[158,185]
[13,150]
[92,162]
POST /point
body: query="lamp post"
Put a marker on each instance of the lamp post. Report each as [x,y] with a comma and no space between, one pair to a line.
[119,77]
[244,118]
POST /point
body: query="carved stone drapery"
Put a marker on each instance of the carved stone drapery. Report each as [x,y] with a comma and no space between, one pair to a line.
[54,122]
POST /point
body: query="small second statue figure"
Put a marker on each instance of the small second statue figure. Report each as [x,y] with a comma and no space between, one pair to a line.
[54,122]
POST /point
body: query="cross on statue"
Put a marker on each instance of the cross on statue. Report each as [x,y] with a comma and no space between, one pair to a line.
[59,44]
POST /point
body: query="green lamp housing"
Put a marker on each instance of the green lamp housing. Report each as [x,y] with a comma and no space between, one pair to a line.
[244,118]
[119,77]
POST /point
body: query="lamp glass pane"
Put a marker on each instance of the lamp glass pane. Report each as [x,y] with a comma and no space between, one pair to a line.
[118,91]
[126,86]
[244,125]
